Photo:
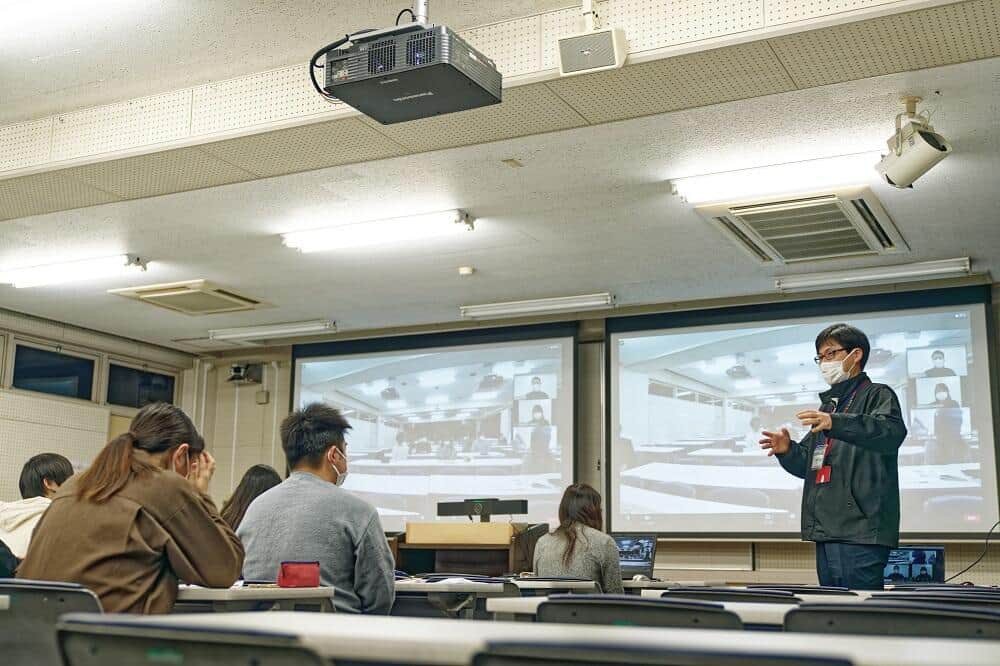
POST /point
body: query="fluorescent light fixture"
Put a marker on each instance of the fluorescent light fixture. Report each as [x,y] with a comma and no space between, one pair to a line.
[538,306]
[786,178]
[746,384]
[378,232]
[118,265]
[437,399]
[395,404]
[876,275]
[269,331]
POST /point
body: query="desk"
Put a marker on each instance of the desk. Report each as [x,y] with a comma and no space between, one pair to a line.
[383,640]
[534,588]
[771,616]
[817,598]
[191,598]
[455,598]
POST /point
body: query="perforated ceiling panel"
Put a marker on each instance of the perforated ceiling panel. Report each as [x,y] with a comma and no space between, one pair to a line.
[525,110]
[556,25]
[138,122]
[261,98]
[515,46]
[785,11]
[24,144]
[697,79]
[45,193]
[160,173]
[307,147]
[897,43]
[651,25]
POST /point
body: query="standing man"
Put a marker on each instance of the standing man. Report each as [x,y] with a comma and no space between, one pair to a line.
[850,503]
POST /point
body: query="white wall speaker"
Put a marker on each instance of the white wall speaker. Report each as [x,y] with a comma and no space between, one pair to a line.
[592,51]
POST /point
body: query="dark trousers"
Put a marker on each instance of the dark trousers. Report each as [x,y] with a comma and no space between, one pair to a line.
[856,566]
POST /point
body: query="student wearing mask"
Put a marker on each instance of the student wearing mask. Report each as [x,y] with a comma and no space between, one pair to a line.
[578,547]
[536,392]
[138,520]
[850,501]
[40,478]
[947,445]
[538,416]
[257,480]
[942,396]
[937,368]
[309,517]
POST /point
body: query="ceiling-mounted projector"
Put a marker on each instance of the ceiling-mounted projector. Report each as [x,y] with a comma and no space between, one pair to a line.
[407,72]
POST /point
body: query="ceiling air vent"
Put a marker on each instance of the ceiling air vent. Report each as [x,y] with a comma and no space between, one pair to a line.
[827,225]
[194,297]
[210,345]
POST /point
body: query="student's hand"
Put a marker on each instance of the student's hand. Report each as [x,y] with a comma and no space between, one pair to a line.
[202,469]
[817,421]
[776,442]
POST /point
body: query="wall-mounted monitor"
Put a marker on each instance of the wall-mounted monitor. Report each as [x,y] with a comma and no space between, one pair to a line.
[688,402]
[438,418]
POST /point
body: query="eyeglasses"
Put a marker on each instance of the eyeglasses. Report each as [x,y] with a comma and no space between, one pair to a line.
[827,355]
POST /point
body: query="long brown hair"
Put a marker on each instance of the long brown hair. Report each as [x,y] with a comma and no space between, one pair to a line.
[580,505]
[255,482]
[157,428]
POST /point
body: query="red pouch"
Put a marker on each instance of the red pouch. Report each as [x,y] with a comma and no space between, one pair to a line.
[298,574]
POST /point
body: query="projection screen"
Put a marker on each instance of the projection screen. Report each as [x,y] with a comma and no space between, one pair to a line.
[687,405]
[438,424]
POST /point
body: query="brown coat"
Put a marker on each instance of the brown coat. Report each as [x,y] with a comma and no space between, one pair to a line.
[131,549]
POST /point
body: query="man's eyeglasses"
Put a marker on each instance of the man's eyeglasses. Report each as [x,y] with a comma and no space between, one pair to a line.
[827,355]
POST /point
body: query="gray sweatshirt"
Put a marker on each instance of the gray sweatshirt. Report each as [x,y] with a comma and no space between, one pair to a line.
[306,518]
[595,556]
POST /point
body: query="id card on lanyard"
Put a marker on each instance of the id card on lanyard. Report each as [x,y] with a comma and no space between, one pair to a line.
[821,454]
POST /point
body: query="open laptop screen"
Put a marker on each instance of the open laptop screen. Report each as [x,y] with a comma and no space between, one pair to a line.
[915,564]
[636,555]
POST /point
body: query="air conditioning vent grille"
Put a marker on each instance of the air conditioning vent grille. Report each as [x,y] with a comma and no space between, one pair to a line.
[195,297]
[845,223]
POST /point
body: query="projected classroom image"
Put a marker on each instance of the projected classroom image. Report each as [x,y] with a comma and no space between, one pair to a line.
[447,424]
[688,406]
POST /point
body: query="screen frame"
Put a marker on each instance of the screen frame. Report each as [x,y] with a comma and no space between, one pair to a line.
[467,337]
[776,311]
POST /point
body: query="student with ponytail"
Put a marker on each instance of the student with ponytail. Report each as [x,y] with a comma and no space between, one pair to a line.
[138,520]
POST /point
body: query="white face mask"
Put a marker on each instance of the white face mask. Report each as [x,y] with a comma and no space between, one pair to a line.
[341,476]
[833,371]
[941,397]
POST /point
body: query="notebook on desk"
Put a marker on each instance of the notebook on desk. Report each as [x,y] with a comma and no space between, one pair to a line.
[636,555]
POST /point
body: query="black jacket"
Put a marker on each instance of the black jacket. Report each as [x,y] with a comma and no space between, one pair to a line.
[860,504]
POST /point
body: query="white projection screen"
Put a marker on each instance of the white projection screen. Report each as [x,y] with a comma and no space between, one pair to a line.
[687,405]
[447,423]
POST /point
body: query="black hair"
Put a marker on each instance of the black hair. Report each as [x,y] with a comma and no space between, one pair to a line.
[848,337]
[937,353]
[51,466]
[307,434]
[257,480]
[536,378]
[941,386]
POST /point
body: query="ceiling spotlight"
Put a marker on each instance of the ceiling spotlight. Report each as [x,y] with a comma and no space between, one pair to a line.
[913,149]
[466,271]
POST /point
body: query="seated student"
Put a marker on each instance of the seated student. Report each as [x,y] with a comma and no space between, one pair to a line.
[578,547]
[923,577]
[138,520]
[8,563]
[40,478]
[310,518]
[256,481]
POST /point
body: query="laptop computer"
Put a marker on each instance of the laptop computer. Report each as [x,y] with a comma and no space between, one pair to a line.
[915,564]
[636,555]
